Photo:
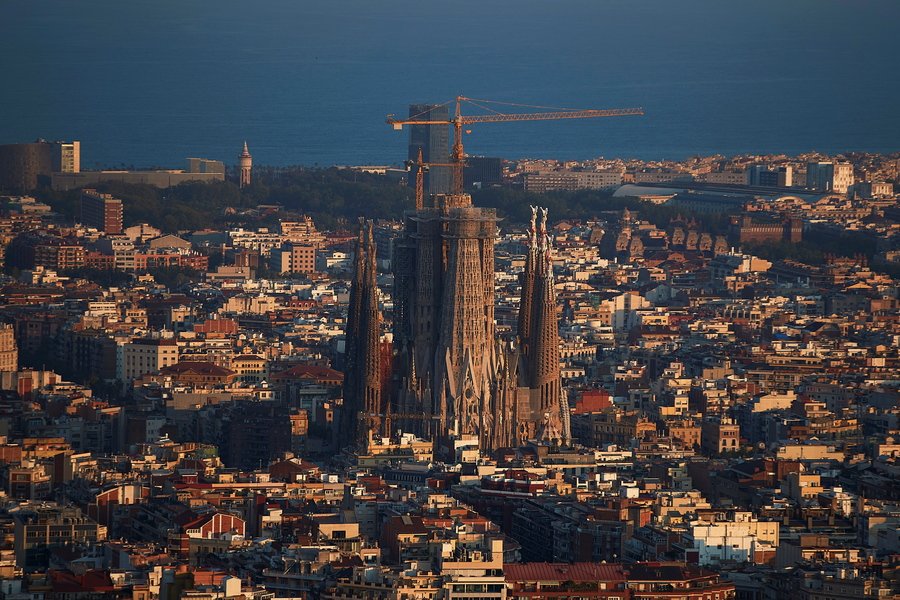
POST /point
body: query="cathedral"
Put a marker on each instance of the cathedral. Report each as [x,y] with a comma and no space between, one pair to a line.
[451,375]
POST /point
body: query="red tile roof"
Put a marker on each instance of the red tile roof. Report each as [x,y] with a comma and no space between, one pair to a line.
[310,372]
[90,581]
[576,572]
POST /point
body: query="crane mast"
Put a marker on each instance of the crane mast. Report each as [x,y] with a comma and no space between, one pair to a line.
[457,156]
[422,167]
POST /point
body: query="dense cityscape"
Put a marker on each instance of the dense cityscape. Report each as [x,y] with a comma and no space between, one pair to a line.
[614,379]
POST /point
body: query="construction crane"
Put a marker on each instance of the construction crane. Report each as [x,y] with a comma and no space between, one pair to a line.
[457,159]
[422,167]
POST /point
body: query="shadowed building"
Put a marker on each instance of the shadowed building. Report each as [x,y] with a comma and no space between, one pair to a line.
[482,171]
[40,528]
[25,166]
[434,142]
[744,229]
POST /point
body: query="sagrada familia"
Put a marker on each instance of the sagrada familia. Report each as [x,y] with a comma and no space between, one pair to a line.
[448,373]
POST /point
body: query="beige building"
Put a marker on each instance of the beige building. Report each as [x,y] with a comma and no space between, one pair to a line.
[673,506]
[302,231]
[141,356]
[773,401]
[69,157]
[801,486]
[836,178]
[659,176]
[9,352]
[809,452]
[572,180]
[471,570]
[843,177]
[294,258]
[250,368]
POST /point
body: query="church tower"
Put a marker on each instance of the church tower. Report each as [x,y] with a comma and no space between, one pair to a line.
[453,376]
[550,410]
[246,162]
[363,406]
[527,283]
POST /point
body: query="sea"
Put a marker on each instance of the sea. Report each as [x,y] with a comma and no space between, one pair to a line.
[151,82]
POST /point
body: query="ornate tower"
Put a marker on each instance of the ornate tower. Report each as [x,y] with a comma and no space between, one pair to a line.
[363,406]
[550,411]
[466,342]
[527,282]
[444,318]
[246,162]
[454,376]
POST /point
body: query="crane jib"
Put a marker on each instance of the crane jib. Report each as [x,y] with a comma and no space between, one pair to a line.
[458,120]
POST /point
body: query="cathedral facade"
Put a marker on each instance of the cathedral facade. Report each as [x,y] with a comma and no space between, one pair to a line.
[452,375]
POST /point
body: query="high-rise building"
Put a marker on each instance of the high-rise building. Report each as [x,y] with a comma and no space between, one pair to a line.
[454,377]
[246,164]
[434,142]
[831,177]
[482,171]
[25,166]
[68,156]
[843,178]
[101,211]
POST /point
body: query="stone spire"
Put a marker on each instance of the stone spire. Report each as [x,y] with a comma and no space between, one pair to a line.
[370,352]
[362,376]
[527,281]
[352,340]
[466,343]
[543,315]
[543,355]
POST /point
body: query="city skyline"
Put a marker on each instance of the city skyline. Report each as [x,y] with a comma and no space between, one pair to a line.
[322,331]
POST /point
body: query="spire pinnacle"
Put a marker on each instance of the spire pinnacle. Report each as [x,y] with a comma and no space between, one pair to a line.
[532,231]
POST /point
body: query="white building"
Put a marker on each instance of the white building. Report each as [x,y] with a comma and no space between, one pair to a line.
[742,540]
[623,310]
